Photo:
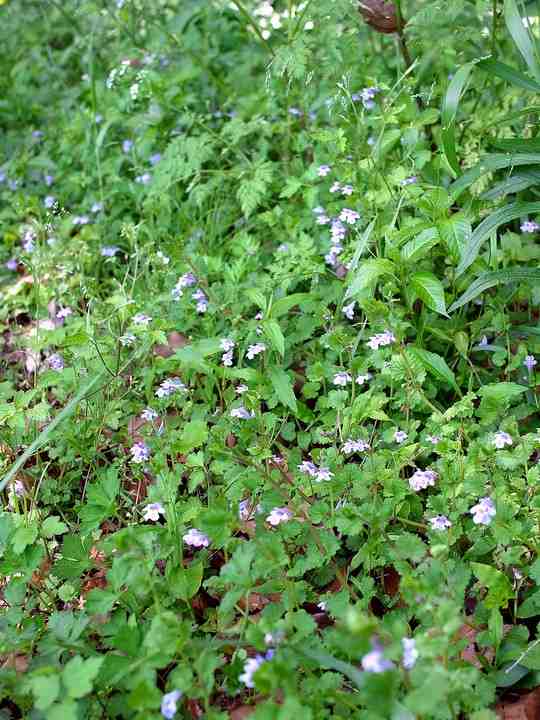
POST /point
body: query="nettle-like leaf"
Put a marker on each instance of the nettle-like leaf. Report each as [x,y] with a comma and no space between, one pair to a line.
[430,290]
[253,187]
[499,587]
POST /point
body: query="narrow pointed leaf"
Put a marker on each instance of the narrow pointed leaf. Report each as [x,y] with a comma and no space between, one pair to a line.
[505,72]
[497,277]
[449,112]
[521,36]
[430,290]
[435,365]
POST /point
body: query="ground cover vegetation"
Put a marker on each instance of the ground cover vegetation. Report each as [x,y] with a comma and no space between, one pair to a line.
[268,396]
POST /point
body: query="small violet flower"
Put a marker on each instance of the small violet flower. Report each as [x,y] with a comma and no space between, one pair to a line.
[279,515]
[196,538]
[56,362]
[410,653]
[170,386]
[149,415]
[374,661]
[109,250]
[169,704]
[400,436]
[139,452]
[433,439]
[362,379]
[530,362]
[342,378]
[323,170]
[354,446]
[251,666]
[153,511]
[127,340]
[440,523]
[381,340]
[422,479]
[241,413]
[529,226]
[501,439]
[483,512]
[254,350]
[347,190]
[141,319]
[348,310]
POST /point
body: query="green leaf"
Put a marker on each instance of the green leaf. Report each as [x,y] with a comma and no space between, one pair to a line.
[497,277]
[24,536]
[283,387]
[79,675]
[367,273]
[326,660]
[45,689]
[257,298]
[505,72]
[52,526]
[420,245]
[284,304]
[184,582]
[435,365]
[455,232]
[66,710]
[499,586]
[430,290]
[194,434]
[501,393]
[521,36]
[449,113]
[99,601]
[515,183]
[490,163]
[361,246]
[272,330]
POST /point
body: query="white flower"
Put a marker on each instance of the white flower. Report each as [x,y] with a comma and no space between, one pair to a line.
[322,605]
[250,668]
[410,653]
[361,379]
[501,439]
[440,523]
[227,344]
[422,479]
[400,436]
[241,389]
[381,340]
[127,339]
[347,190]
[342,378]
[349,216]
[254,350]
[323,170]
[141,319]
[323,473]
[308,468]
[433,439]
[149,415]
[153,511]
[336,187]
[279,515]
[483,512]
[375,662]
[196,538]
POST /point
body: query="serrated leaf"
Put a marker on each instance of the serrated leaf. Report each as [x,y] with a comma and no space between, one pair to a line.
[456,233]
[79,674]
[435,366]
[24,536]
[430,290]
[499,586]
[184,582]
[497,277]
[52,526]
[272,330]
[367,273]
[283,386]
[45,689]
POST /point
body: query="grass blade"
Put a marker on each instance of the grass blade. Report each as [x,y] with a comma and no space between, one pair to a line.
[497,277]
[521,36]
[505,72]
[449,113]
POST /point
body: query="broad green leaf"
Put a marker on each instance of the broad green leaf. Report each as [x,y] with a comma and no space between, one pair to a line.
[326,660]
[257,298]
[531,659]
[490,224]
[66,710]
[272,330]
[283,305]
[99,601]
[501,393]
[430,290]
[45,689]
[455,232]
[24,536]
[449,112]
[490,163]
[515,183]
[184,582]
[518,145]
[497,277]
[499,586]
[521,36]
[53,526]
[194,434]
[79,675]
[283,386]
[435,365]
[420,245]
[505,72]
[367,273]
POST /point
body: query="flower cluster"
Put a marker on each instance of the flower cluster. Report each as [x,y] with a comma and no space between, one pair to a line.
[422,479]
[196,538]
[354,446]
[254,350]
[185,281]
[227,345]
[381,340]
[366,96]
[483,512]
[170,386]
[139,452]
[278,515]
[317,473]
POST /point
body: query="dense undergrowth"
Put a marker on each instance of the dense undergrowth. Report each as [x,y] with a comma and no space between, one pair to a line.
[268,397]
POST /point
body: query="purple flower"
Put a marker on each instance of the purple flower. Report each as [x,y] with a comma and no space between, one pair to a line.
[279,515]
[202,301]
[254,350]
[250,668]
[335,187]
[440,523]
[362,379]
[308,468]
[501,439]
[349,216]
[412,180]
[530,362]
[143,179]
[149,415]
[322,219]
[127,340]
[187,280]
[227,344]
[63,313]
[400,436]
[342,378]
[49,180]
[354,446]
[169,703]
[529,226]
[154,159]
[410,653]
[381,340]
[366,95]
[56,362]
[295,112]
[141,319]
[422,479]
[49,202]
[97,207]
[241,413]
[347,190]
[81,220]
[127,145]
[170,386]
[323,170]
[241,389]
[374,661]
[12,264]
[153,511]
[433,439]
[139,452]
[109,250]
[348,310]
[483,512]
[196,538]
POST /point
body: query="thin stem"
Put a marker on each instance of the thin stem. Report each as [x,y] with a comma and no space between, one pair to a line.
[242,10]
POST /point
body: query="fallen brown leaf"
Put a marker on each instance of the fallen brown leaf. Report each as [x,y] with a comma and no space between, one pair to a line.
[527,707]
[175,341]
